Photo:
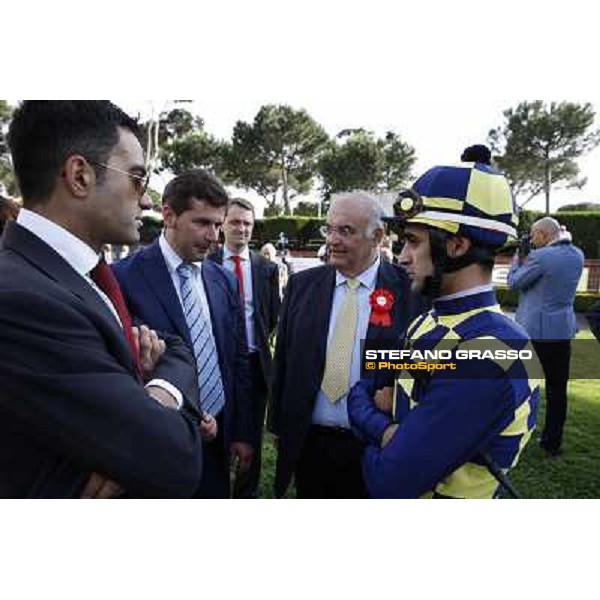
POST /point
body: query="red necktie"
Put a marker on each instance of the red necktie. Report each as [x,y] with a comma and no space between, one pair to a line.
[104,278]
[237,269]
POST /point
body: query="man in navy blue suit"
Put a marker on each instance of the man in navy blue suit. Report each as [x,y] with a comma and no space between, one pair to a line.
[170,287]
[75,417]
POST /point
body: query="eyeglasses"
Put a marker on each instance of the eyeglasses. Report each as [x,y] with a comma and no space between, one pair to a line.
[344,231]
[140,182]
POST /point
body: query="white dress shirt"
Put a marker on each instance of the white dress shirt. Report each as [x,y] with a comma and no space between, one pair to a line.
[487,287]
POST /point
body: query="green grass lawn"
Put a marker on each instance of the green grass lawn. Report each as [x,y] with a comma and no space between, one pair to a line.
[576,474]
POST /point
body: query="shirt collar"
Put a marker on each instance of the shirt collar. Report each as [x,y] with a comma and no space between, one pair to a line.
[244,254]
[474,290]
[466,302]
[172,259]
[75,251]
[368,277]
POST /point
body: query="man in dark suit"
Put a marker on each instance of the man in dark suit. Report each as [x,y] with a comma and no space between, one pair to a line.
[170,286]
[326,312]
[258,279]
[75,417]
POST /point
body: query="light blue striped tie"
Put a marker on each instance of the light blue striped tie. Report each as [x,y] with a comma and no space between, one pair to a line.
[211,396]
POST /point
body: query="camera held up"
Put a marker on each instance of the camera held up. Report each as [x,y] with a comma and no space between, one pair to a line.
[524,245]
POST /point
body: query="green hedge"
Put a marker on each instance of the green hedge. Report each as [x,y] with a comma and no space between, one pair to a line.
[526,220]
[585,229]
[510,298]
[151,227]
[299,230]
[583,225]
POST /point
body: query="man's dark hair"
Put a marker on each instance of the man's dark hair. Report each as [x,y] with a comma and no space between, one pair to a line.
[197,184]
[477,153]
[242,203]
[44,133]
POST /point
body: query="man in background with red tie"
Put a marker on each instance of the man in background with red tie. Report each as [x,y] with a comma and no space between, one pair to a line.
[89,406]
[170,286]
[258,280]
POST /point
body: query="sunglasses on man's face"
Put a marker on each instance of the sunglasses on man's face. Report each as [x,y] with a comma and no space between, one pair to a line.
[140,182]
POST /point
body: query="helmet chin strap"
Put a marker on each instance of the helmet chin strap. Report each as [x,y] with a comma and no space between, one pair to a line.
[442,263]
[439,258]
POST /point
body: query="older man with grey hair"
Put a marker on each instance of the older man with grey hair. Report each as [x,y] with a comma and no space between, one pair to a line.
[326,313]
[547,281]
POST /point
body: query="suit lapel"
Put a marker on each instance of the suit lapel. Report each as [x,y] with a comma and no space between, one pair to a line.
[47,260]
[388,281]
[155,271]
[320,299]
[258,280]
[217,256]
[217,298]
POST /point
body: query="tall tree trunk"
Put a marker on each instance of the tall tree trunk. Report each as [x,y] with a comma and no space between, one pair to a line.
[154,158]
[547,181]
[284,179]
[149,141]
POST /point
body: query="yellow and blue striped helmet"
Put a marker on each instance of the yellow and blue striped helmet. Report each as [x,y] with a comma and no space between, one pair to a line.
[470,199]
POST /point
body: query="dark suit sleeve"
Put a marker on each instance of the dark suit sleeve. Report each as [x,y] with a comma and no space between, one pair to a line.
[61,384]
[280,361]
[242,395]
[177,366]
[274,297]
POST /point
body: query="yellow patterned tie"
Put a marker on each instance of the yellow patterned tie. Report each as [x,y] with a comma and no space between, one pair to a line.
[336,380]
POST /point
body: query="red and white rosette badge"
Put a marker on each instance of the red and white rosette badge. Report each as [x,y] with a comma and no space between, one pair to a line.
[381,301]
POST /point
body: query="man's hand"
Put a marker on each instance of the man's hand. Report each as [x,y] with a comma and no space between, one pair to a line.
[384,399]
[243,452]
[208,428]
[162,396]
[150,347]
[101,488]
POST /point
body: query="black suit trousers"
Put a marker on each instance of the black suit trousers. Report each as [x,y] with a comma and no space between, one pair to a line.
[215,472]
[246,484]
[555,357]
[330,465]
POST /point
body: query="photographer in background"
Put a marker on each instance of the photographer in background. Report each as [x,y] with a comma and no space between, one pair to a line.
[547,279]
